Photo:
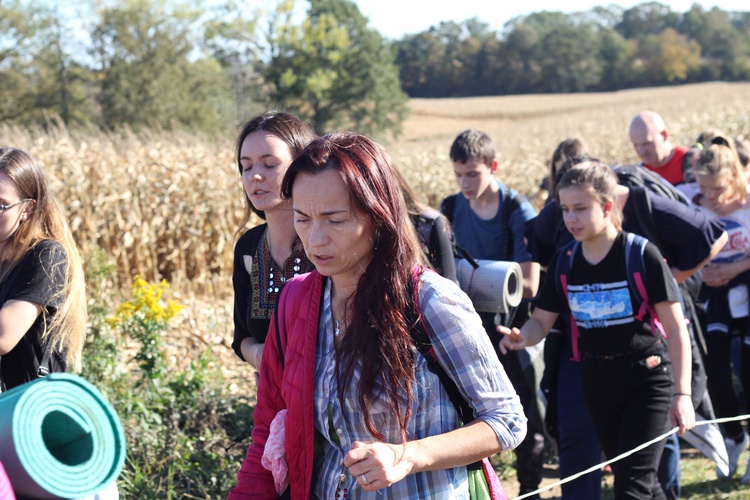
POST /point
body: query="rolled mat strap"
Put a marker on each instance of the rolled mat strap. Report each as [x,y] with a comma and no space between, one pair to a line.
[60,438]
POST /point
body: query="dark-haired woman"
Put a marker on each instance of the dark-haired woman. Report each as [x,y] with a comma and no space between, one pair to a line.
[269,254]
[364,416]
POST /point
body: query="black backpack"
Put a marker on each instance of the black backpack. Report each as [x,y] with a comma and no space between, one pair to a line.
[643,184]
[639,176]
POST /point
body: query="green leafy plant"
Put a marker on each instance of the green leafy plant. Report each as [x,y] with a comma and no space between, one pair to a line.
[179,423]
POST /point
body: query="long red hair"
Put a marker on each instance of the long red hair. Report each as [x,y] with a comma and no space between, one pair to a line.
[378,340]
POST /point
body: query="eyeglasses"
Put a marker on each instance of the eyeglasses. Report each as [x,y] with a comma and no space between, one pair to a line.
[5,208]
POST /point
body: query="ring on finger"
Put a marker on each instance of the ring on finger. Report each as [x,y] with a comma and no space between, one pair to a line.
[364,479]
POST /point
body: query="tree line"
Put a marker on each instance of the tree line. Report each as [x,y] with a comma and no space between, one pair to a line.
[187,64]
[192,65]
[604,49]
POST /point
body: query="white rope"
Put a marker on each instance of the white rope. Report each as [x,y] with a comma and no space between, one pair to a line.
[627,454]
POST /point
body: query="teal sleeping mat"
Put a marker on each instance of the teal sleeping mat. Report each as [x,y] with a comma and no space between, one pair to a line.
[59,438]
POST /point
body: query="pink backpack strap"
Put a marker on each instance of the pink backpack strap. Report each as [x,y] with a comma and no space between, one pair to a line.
[646,306]
[574,334]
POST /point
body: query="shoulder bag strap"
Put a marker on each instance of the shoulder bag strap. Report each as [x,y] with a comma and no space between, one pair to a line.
[4,291]
[278,334]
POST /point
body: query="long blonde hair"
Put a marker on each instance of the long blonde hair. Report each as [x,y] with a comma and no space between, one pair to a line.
[45,220]
[721,157]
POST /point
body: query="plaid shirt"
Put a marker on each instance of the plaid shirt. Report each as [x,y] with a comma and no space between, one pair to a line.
[464,350]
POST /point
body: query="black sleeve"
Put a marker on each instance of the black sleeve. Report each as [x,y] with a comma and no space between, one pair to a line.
[661,285]
[549,297]
[686,234]
[545,234]
[448,206]
[246,245]
[41,275]
[441,249]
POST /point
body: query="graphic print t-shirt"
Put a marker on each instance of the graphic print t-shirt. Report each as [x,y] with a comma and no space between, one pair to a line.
[737,226]
[602,304]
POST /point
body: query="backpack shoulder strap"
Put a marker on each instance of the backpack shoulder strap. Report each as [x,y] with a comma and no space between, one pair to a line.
[421,337]
[510,205]
[635,268]
[278,335]
[563,267]
[448,207]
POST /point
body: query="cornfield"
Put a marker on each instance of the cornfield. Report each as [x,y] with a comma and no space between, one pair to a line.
[168,204]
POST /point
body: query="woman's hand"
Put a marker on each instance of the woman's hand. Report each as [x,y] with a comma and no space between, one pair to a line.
[377,465]
[513,339]
[681,413]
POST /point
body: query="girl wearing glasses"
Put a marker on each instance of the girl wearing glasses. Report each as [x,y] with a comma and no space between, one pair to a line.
[42,290]
[267,255]
[723,188]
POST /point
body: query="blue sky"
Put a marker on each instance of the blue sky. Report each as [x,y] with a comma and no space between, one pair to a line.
[395,18]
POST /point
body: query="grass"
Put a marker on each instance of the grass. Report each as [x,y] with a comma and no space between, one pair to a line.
[699,481]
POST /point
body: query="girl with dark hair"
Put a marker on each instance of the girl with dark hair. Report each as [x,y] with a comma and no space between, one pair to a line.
[42,288]
[269,254]
[634,379]
[363,415]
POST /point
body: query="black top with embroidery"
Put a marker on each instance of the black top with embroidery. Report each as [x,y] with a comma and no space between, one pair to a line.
[40,280]
[257,281]
[602,302]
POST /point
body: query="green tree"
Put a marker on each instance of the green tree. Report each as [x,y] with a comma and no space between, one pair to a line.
[650,18]
[419,59]
[149,73]
[617,56]
[485,47]
[520,71]
[19,27]
[567,61]
[554,52]
[335,71]
[724,47]
[61,85]
[450,60]
[231,36]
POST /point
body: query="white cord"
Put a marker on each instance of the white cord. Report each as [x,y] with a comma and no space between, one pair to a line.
[627,454]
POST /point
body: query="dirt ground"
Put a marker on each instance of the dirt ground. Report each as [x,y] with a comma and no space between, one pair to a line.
[551,476]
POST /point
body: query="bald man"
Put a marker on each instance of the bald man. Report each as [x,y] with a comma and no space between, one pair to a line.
[651,141]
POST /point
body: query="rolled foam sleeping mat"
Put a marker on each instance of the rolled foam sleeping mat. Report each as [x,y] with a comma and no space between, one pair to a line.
[494,286]
[59,438]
